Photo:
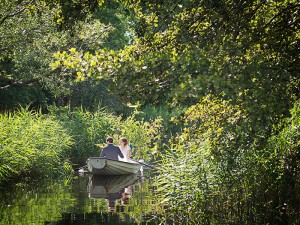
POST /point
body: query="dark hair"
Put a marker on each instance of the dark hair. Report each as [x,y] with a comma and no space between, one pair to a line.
[124,140]
[110,139]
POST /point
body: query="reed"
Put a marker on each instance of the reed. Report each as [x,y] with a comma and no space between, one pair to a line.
[212,174]
[32,144]
[41,145]
[151,112]
[86,128]
[144,136]
[90,129]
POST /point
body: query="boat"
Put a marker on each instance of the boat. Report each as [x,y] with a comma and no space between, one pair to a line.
[105,166]
[110,186]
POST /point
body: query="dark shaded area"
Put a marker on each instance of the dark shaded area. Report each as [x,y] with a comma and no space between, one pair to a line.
[93,219]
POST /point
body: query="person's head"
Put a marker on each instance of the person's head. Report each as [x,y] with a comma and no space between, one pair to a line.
[109,140]
[123,141]
[124,199]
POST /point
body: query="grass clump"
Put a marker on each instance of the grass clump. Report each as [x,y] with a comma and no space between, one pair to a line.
[32,145]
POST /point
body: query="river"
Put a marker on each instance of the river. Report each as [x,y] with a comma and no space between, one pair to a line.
[80,199]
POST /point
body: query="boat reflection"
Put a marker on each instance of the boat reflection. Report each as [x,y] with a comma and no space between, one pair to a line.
[112,188]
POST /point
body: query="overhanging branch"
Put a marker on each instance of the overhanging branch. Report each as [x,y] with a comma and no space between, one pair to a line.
[15,13]
[19,84]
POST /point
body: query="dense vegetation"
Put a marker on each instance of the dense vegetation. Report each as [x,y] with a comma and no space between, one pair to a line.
[214,84]
[38,145]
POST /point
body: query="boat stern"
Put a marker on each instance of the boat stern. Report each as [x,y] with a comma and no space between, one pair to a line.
[95,163]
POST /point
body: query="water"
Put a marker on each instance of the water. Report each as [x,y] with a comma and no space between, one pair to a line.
[84,199]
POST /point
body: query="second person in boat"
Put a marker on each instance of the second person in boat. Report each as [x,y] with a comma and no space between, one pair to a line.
[125,149]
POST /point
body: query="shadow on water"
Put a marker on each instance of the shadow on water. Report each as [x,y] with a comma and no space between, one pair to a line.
[83,199]
[128,199]
[112,188]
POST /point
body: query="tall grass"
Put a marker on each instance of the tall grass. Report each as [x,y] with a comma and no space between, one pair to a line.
[36,145]
[90,130]
[32,145]
[151,112]
[144,136]
[212,174]
[86,128]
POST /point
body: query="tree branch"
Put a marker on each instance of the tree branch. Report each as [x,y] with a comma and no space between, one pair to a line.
[280,13]
[19,84]
[15,13]
[256,9]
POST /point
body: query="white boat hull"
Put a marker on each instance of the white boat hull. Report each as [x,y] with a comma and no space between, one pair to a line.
[104,166]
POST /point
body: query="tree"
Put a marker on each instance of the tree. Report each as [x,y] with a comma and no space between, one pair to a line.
[246,51]
[31,31]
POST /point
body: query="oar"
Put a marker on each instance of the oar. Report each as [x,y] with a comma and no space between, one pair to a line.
[144,164]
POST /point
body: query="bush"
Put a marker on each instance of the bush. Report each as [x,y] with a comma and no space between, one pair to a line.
[213,173]
[203,167]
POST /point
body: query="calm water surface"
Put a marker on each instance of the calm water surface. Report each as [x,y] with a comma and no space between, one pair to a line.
[80,199]
[86,199]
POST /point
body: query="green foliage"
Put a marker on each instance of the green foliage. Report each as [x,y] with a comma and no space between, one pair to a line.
[188,49]
[206,164]
[145,136]
[31,31]
[113,13]
[90,130]
[281,156]
[150,112]
[32,145]
[86,129]
[173,53]
[67,13]
[217,171]
[28,38]
[42,145]
[214,121]
[22,96]
[89,95]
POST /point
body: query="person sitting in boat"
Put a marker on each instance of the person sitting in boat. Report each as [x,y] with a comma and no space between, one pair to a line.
[111,151]
[125,149]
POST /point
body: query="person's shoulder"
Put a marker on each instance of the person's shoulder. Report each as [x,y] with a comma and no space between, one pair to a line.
[106,147]
[117,146]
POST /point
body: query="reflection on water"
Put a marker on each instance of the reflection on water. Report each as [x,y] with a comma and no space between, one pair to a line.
[79,200]
[117,200]
[112,188]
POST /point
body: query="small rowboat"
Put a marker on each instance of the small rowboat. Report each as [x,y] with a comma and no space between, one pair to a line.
[110,186]
[104,166]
